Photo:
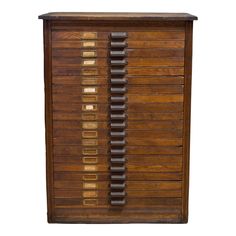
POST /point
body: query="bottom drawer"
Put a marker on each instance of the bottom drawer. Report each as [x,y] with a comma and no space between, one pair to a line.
[165,214]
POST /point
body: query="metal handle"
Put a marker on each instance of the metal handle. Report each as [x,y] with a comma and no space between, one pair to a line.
[118,186]
[121,134]
[119,54]
[120,90]
[119,44]
[119,99]
[118,107]
[118,202]
[120,160]
[118,177]
[118,72]
[122,81]
[118,194]
[117,118]
[118,126]
[119,35]
[118,151]
[118,62]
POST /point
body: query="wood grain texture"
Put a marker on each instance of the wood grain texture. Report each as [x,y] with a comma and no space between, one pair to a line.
[187,114]
[105,176]
[133,80]
[131,98]
[48,119]
[158,75]
[113,16]
[130,125]
[145,141]
[135,52]
[133,35]
[132,62]
[131,44]
[153,90]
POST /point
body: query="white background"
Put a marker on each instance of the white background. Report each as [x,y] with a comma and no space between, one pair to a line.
[22,149]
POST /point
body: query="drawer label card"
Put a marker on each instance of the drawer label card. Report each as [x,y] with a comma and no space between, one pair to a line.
[89,185]
[90,125]
[90,160]
[89,35]
[89,142]
[89,72]
[90,168]
[89,107]
[89,62]
[90,177]
[89,134]
[90,90]
[89,81]
[89,98]
[90,202]
[88,44]
[88,116]
[88,194]
[90,151]
[89,54]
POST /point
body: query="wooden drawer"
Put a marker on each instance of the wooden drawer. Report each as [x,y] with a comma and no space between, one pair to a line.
[131,185]
[105,176]
[130,53]
[92,71]
[160,33]
[117,116]
[151,90]
[74,62]
[130,125]
[104,44]
[132,80]
[76,115]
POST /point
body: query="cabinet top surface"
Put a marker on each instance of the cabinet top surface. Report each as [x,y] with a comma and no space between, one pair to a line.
[117,16]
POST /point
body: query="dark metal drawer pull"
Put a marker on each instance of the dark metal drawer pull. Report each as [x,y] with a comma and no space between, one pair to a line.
[119,35]
[117,142]
[118,53]
[118,177]
[118,71]
[118,202]
[118,125]
[119,44]
[118,116]
[117,168]
[118,90]
[118,62]
[118,194]
[117,186]
[118,134]
[118,107]
[118,81]
[118,99]
[118,151]
[118,160]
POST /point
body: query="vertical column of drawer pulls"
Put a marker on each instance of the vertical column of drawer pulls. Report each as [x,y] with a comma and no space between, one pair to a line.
[117,117]
[89,117]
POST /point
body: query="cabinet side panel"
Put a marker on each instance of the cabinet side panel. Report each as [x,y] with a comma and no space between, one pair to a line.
[48,117]
[187,113]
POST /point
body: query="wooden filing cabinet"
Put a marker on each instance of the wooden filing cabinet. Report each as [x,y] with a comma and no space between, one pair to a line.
[117,96]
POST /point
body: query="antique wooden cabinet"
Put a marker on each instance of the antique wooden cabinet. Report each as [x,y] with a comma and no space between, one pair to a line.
[117,89]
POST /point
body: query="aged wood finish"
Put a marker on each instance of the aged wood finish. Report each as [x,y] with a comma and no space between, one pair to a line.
[118,16]
[117,108]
